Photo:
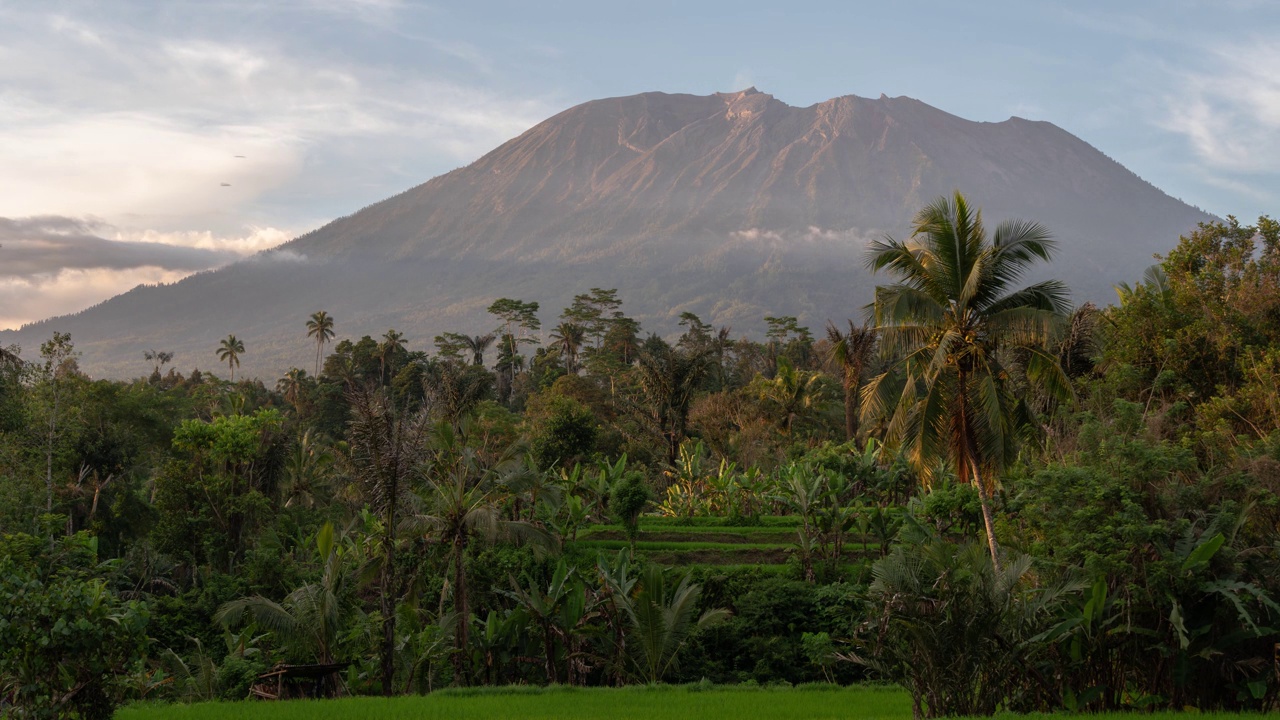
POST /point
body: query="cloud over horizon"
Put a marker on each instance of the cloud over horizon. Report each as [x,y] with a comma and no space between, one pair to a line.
[48,244]
[53,265]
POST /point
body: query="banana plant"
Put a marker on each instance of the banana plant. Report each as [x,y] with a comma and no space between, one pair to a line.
[566,518]
[616,582]
[556,612]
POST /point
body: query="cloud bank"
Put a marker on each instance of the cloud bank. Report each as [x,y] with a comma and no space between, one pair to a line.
[53,265]
[49,244]
[811,235]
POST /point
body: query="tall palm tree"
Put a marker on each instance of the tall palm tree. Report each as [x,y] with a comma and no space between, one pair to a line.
[851,351]
[567,337]
[387,445]
[791,393]
[293,386]
[308,473]
[668,379]
[229,352]
[320,327]
[720,345]
[478,345]
[463,504]
[950,315]
[392,343]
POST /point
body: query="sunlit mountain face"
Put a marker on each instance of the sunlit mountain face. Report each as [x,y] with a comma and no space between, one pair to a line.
[733,206]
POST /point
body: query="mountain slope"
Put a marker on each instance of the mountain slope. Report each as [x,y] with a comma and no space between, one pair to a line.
[732,206]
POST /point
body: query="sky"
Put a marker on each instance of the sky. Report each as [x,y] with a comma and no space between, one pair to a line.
[141,142]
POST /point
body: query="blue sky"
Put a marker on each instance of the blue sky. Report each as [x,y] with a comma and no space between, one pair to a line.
[123,120]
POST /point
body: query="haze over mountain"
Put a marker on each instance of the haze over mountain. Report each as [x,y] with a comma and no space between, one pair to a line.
[733,206]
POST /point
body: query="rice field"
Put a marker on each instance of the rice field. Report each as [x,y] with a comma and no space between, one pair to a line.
[633,703]
[767,542]
[817,702]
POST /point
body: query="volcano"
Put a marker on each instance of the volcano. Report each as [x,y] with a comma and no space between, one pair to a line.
[733,206]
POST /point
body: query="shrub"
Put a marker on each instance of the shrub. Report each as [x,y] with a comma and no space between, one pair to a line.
[66,640]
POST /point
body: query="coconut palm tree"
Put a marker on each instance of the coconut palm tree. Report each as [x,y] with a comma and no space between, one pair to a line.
[392,344]
[791,393]
[478,345]
[568,337]
[668,379]
[229,352]
[308,473]
[320,327]
[950,315]
[851,351]
[293,386]
[462,504]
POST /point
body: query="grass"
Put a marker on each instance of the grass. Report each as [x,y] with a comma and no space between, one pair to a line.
[805,702]
[632,703]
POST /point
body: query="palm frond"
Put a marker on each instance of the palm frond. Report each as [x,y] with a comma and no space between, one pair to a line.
[1045,372]
[1048,295]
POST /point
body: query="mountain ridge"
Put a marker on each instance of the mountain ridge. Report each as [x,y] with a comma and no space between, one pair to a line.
[731,205]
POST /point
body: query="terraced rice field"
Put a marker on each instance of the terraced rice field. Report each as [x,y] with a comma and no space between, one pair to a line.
[710,541]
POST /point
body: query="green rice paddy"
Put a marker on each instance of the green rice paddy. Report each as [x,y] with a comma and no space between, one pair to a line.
[815,702]
[766,541]
[632,703]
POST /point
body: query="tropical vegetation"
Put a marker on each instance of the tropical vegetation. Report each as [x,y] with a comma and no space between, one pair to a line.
[972,490]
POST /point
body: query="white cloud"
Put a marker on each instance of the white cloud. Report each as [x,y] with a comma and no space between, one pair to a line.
[56,265]
[217,135]
[124,123]
[255,239]
[810,235]
[115,165]
[1229,110]
[23,300]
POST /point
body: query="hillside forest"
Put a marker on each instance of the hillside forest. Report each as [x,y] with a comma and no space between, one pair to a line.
[971,489]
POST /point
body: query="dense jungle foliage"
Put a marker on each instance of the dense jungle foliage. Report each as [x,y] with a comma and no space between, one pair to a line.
[983,494]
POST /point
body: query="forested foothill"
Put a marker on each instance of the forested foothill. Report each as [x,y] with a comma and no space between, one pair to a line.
[972,489]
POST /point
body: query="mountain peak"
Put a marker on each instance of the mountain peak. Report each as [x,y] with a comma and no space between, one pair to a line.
[733,206]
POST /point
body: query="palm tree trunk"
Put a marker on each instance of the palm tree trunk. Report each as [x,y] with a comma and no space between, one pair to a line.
[319,345]
[852,381]
[967,465]
[984,499]
[460,609]
[387,604]
[53,431]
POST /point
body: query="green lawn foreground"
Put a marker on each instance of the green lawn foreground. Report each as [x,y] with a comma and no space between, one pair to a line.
[531,703]
[689,702]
